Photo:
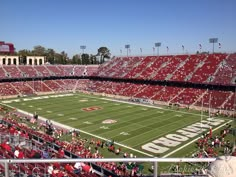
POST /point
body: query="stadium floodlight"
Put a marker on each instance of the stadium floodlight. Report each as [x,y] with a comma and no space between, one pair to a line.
[127,46]
[83,47]
[157,45]
[213,41]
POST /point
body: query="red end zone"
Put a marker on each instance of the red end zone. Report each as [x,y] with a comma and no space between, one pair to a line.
[92,108]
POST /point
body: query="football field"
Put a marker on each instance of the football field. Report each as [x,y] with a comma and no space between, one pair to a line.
[144,129]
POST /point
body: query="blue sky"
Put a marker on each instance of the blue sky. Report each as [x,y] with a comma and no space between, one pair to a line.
[68,24]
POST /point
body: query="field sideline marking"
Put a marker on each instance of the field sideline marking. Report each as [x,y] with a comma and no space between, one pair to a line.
[144,105]
[167,155]
[68,127]
[113,100]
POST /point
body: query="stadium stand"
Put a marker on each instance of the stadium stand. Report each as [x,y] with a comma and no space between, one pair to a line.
[28,71]
[179,79]
[226,73]
[23,88]
[12,71]
[20,141]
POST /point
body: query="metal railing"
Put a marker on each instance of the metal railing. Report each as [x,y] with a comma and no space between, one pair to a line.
[155,161]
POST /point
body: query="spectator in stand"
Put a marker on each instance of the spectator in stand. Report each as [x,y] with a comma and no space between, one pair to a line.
[35,154]
[19,153]
[69,168]
[45,154]
[11,130]
[86,168]
[61,153]
[50,169]
[6,146]
[78,166]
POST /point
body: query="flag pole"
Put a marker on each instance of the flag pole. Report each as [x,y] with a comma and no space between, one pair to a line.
[201,113]
[209,109]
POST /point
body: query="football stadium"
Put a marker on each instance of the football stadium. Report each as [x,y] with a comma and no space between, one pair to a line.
[116,114]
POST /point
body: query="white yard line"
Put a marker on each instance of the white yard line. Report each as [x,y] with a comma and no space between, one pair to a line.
[113,100]
[167,155]
[150,106]
[68,127]
[119,101]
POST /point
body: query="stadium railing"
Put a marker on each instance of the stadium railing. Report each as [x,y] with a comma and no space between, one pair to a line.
[155,161]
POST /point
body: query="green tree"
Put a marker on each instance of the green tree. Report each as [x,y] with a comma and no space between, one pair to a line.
[76,59]
[64,57]
[103,52]
[22,54]
[57,58]
[85,59]
[93,59]
[50,55]
[39,50]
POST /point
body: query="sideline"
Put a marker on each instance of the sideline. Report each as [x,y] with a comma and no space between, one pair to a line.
[119,101]
[144,105]
[68,127]
[167,155]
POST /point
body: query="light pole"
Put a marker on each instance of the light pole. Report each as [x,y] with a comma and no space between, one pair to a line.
[127,46]
[183,48]
[82,47]
[157,45]
[200,47]
[213,41]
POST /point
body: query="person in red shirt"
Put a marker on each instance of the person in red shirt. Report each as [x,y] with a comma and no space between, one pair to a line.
[69,168]
[6,146]
[61,153]
[21,154]
[86,168]
[12,130]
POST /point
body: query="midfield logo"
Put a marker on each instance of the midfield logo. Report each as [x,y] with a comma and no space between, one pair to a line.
[92,108]
[109,121]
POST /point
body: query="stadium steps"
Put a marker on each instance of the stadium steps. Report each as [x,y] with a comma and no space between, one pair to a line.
[155,73]
[126,88]
[199,98]
[28,85]
[230,96]
[108,68]
[38,73]
[169,76]
[8,75]
[200,64]
[19,70]
[133,67]
[140,91]
[154,95]
[48,87]
[74,89]
[148,65]
[61,86]
[51,72]
[212,77]
[176,96]
[16,89]
[221,65]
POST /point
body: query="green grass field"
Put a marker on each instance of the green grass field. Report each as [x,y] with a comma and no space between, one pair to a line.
[129,125]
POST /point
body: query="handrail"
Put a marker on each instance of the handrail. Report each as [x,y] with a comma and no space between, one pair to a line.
[154,160]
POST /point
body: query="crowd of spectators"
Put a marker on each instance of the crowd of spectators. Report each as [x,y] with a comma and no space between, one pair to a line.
[210,145]
[21,144]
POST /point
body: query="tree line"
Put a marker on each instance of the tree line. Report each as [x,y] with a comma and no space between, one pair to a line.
[53,57]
